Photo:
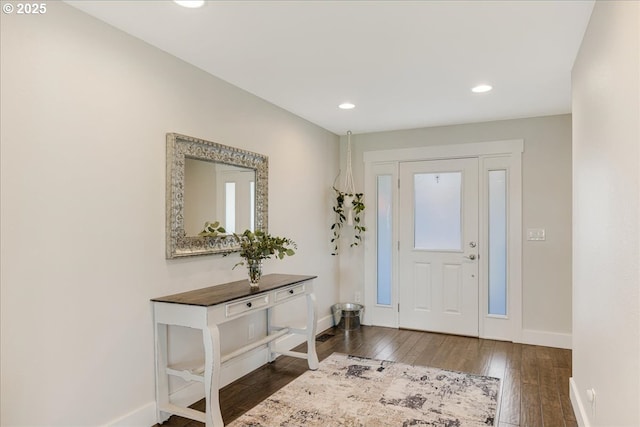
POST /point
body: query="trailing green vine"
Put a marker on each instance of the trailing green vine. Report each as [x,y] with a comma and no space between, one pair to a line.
[357,204]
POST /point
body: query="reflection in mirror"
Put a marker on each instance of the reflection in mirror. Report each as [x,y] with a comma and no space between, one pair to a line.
[207,181]
[217,191]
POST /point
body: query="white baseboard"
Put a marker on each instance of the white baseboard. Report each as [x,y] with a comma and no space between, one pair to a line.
[578,408]
[547,339]
[145,416]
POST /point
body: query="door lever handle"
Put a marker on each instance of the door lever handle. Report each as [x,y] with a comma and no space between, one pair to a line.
[471,257]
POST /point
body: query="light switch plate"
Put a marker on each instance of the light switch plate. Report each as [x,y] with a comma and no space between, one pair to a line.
[537,234]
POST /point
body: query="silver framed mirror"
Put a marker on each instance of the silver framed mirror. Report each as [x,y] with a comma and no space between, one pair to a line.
[207,181]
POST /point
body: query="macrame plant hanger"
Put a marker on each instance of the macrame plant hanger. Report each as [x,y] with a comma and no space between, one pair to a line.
[349,206]
[349,188]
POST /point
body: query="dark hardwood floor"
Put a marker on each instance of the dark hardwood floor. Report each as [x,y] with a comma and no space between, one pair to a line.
[535,380]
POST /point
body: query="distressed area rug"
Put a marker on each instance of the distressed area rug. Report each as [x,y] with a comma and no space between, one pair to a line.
[355,391]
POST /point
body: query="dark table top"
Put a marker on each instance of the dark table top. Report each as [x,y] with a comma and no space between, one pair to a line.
[219,294]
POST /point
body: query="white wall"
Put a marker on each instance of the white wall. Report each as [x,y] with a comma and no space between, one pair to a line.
[606,217]
[85,109]
[546,165]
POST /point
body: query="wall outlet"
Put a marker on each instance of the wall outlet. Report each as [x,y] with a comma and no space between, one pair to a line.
[536,234]
[358,297]
[251,334]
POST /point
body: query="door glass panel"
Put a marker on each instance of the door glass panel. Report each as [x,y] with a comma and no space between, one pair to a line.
[384,233]
[252,205]
[437,215]
[498,242]
[230,206]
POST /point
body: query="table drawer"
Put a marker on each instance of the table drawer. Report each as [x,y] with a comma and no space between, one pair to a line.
[246,305]
[283,294]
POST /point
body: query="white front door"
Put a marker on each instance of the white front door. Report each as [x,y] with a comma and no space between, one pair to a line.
[438,248]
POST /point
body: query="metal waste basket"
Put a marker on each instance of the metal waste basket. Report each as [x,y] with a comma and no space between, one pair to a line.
[347,315]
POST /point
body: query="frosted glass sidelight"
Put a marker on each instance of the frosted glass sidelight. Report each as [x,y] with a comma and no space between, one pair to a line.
[384,233]
[252,205]
[498,242]
[230,206]
[437,211]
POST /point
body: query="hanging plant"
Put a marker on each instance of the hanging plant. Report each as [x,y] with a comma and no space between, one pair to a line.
[353,216]
[348,208]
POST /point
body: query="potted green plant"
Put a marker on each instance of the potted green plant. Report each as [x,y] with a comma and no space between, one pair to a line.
[212,229]
[258,245]
[255,246]
[348,209]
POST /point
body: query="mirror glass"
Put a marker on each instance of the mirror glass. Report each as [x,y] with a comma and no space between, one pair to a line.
[208,182]
[218,191]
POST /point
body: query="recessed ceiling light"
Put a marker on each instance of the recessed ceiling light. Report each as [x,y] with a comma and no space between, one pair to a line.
[191,4]
[346,106]
[481,88]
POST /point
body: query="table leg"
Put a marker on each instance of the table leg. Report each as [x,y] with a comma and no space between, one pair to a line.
[162,379]
[211,340]
[271,356]
[312,325]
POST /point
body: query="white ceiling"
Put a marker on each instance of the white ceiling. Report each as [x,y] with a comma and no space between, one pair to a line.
[405,64]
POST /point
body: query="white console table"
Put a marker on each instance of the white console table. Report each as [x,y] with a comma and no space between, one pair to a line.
[207,308]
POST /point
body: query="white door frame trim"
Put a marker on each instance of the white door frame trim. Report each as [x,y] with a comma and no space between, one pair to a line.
[435,152]
[509,152]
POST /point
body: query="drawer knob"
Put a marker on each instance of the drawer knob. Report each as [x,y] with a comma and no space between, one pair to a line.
[290,291]
[249,304]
